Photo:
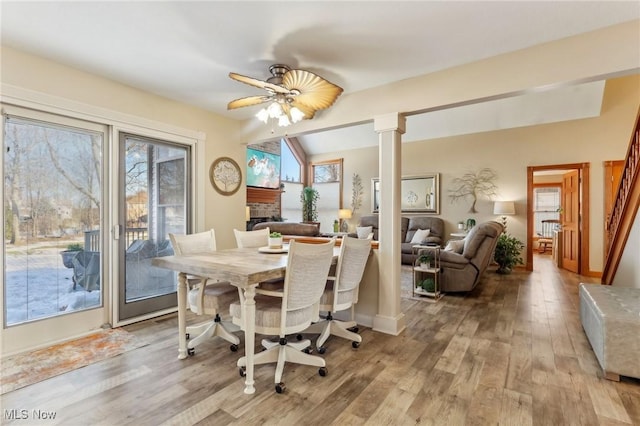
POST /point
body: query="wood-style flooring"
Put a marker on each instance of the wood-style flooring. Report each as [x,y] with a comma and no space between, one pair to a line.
[510,352]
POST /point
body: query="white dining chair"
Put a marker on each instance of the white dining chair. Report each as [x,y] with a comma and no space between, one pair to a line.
[341,293]
[256,239]
[206,296]
[290,310]
[250,239]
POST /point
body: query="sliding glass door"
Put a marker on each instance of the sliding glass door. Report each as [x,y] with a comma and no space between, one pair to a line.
[154,202]
[52,259]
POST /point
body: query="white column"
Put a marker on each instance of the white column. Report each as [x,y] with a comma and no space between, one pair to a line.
[389,127]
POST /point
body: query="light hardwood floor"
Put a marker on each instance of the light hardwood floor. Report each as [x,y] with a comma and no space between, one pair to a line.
[510,352]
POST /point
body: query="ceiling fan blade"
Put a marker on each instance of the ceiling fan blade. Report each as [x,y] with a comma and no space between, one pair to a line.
[315,92]
[248,101]
[258,83]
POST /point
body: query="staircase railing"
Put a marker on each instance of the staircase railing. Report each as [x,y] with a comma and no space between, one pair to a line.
[618,224]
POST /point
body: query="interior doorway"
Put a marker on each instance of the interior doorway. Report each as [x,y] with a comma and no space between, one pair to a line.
[573,244]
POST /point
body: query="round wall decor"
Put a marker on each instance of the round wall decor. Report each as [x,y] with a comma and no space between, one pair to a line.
[225,176]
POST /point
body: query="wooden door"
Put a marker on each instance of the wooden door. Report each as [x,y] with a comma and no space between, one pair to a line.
[612,174]
[571,221]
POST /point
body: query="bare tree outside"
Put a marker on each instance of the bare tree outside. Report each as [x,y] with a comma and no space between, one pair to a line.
[52,187]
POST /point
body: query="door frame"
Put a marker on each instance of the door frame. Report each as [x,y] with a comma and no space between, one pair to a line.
[583,171]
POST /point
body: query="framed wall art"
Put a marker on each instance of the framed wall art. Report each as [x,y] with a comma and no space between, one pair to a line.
[225,176]
[418,194]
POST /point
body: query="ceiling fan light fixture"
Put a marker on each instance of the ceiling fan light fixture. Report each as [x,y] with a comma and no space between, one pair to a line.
[283,121]
[296,114]
[263,115]
[293,95]
[275,110]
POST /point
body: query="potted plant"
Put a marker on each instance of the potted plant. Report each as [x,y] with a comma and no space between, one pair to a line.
[507,253]
[425,259]
[309,198]
[275,240]
[68,254]
[428,285]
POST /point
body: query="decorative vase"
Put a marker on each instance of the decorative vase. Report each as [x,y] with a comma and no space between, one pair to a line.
[275,243]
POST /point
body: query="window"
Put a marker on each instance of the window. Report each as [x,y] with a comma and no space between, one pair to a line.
[291,168]
[327,179]
[52,221]
[546,205]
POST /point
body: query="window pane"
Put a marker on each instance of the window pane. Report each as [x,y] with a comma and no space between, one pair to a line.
[290,171]
[326,173]
[52,190]
[546,205]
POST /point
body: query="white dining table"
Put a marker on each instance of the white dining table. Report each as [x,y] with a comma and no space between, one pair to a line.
[244,268]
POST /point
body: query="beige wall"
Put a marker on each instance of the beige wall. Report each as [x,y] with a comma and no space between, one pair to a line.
[509,152]
[40,75]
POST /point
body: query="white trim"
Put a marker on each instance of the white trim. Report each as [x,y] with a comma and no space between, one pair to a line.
[389,325]
[14,95]
[14,98]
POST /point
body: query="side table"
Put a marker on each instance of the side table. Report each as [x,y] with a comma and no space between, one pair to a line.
[431,271]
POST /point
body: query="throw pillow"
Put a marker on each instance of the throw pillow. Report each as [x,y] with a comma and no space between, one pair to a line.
[363,231]
[420,236]
[455,246]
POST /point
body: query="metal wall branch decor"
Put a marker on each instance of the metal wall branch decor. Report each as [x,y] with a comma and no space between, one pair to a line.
[473,185]
[356,193]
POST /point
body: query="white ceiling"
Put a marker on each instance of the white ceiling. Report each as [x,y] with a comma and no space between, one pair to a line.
[184,50]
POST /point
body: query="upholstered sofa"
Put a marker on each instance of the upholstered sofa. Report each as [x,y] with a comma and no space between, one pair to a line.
[408,228]
[290,228]
[463,262]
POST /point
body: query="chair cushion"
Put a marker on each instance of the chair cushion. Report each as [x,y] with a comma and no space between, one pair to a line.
[217,296]
[268,310]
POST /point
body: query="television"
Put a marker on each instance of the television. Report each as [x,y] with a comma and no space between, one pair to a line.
[263,169]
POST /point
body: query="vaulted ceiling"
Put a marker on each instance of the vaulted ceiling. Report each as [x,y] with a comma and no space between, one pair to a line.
[185,50]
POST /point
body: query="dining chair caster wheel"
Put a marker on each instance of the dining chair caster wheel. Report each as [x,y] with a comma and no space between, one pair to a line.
[307,350]
[280,387]
[234,348]
[322,350]
[355,345]
[353,329]
[299,337]
[187,336]
[242,371]
[322,371]
[191,351]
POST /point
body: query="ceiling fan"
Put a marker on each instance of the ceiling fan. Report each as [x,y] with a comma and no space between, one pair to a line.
[292,95]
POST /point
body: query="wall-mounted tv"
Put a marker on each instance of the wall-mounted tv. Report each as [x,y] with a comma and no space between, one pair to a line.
[263,169]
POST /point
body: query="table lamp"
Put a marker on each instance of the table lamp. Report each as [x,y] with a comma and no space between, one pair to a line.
[504,208]
[343,215]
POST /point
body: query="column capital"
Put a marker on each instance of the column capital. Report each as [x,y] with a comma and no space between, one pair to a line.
[390,122]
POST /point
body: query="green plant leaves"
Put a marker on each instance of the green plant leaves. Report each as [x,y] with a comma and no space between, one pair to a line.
[507,253]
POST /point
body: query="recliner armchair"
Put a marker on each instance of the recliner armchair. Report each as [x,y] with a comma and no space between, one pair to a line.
[462,271]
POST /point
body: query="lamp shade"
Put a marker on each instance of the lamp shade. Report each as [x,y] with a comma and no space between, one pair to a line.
[344,214]
[504,207]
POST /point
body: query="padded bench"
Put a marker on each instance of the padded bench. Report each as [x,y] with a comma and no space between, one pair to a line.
[610,317]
